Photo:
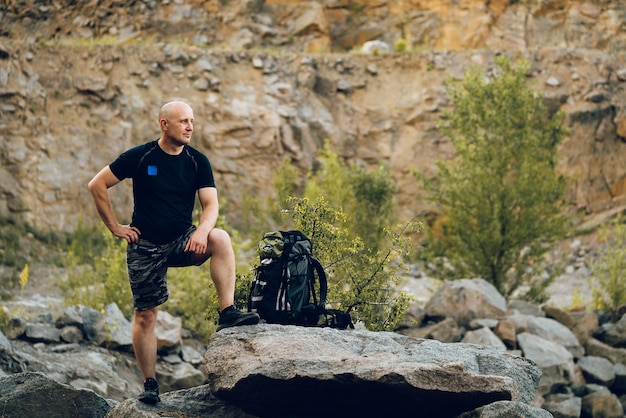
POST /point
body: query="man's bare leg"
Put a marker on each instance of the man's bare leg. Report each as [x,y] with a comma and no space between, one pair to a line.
[220,250]
[145,347]
[222,267]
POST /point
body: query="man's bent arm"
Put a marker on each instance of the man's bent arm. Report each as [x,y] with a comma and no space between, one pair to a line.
[98,187]
[208,218]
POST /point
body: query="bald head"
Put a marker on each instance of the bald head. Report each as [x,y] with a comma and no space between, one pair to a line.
[176,122]
[173,107]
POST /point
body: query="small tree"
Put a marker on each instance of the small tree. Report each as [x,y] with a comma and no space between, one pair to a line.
[500,198]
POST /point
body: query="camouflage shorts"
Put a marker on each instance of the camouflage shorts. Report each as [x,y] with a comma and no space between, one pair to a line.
[147,265]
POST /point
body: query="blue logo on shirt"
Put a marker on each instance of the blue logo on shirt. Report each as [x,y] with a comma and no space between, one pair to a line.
[152,170]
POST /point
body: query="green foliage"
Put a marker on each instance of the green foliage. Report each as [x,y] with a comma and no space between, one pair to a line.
[500,198]
[260,216]
[365,196]
[609,268]
[362,281]
[103,281]
[347,211]
[401,45]
[20,243]
[85,243]
[373,205]
[193,299]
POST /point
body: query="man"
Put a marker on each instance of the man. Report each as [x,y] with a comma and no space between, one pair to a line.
[167,173]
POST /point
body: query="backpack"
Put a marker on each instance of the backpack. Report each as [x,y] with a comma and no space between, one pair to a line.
[289,285]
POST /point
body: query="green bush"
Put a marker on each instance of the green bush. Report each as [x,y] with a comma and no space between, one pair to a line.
[362,281]
[193,299]
[20,243]
[103,280]
[347,211]
[500,198]
[366,196]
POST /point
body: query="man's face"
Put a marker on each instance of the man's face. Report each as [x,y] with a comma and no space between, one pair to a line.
[178,125]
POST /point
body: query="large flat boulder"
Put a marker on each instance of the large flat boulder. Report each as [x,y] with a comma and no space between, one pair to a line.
[280,371]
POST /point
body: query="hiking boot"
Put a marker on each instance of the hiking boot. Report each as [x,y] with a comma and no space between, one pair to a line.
[150,394]
[233,317]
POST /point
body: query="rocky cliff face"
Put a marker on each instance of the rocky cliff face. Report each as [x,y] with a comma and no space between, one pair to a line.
[82,82]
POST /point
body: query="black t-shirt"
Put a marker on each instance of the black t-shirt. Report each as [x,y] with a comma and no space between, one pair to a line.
[164,188]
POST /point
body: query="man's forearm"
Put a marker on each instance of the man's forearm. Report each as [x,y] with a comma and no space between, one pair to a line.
[208,219]
[103,206]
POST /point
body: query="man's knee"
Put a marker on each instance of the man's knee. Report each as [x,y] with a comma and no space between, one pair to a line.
[218,239]
[146,319]
[219,242]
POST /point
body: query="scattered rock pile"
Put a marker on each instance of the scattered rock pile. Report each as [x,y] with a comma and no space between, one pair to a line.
[464,353]
[582,356]
[87,349]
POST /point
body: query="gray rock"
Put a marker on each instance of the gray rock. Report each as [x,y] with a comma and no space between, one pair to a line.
[366,373]
[597,348]
[605,405]
[197,402]
[619,385]
[563,406]
[556,363]
[613,334]
[111,374]
[71,334]
[551,330]
[45,333]
[35,395]
[113,329]
[179,376]
[169,332]
[483,336]
[506,409]
[597,370]
[465,300]
[5,344]
[82,317]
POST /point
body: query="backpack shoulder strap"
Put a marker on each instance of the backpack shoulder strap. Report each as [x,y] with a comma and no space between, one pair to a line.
[321,275]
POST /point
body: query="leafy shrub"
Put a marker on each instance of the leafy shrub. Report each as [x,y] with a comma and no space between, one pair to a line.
[347,212]
[362,281]
[103,281]
[500,198]
[20,244]
[193,299]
